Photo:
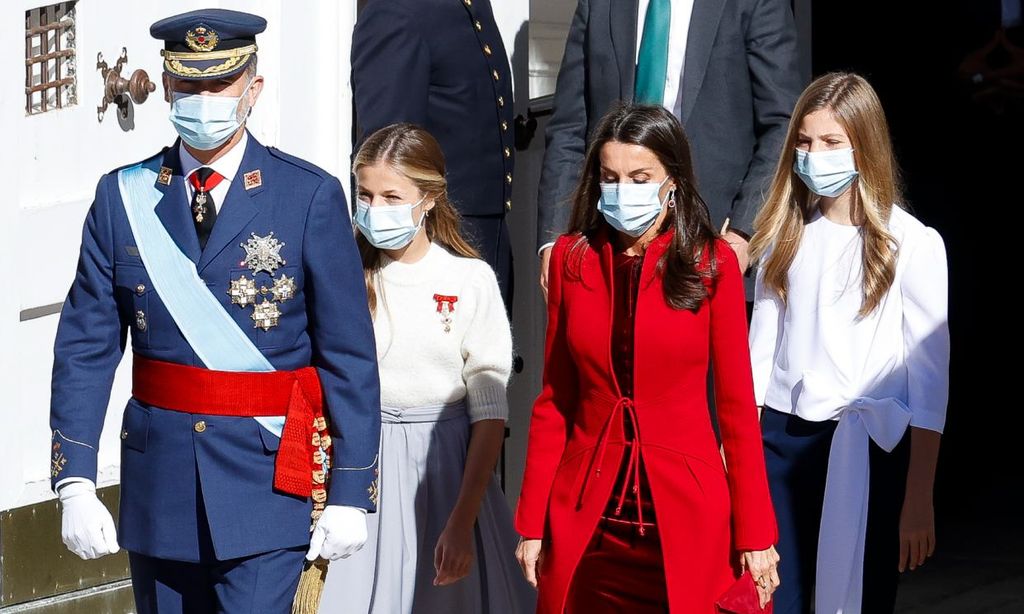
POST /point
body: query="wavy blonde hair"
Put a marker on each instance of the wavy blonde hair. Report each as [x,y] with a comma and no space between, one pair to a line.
[779,226]
[414,153]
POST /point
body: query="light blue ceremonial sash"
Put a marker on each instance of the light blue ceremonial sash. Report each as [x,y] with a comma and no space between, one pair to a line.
[207,326]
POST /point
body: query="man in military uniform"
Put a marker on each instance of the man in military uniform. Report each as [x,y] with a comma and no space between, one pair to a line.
[234,267]
[441,64]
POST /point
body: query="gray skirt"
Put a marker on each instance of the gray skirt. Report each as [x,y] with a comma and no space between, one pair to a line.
[422,459]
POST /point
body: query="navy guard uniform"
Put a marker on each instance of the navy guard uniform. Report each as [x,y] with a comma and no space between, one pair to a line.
[214,513]
[441,64]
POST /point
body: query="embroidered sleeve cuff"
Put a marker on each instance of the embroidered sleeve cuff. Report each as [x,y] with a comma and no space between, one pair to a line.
[488,403]
[70,458]
[354,488]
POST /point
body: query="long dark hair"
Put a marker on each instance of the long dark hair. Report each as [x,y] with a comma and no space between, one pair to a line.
[652,127]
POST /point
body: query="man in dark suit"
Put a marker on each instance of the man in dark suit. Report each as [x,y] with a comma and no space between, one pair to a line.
[726,68]
[441,64]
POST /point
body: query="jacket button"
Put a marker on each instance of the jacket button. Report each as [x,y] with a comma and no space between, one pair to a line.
[501,101]
[468,2]
[200,426]
[508,178]
[508,152]
[508,205]
[494,73]
[487,50]
[479,26]
[124,433]
[504,126]
[140,289]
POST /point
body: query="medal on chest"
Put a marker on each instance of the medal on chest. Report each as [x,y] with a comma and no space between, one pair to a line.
[446,310]
[262,255]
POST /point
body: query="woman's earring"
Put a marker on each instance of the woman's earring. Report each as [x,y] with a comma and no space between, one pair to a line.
[672,199]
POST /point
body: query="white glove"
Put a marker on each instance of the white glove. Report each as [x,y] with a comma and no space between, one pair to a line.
[86,526]
[339,533]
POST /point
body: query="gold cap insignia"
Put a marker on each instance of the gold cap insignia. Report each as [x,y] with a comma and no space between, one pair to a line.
[201,38]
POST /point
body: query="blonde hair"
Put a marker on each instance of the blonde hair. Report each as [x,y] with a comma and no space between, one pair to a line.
[778,228]
[414,153]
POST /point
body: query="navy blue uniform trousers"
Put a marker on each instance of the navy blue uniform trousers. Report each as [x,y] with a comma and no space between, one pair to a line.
[796,456]
[263,583]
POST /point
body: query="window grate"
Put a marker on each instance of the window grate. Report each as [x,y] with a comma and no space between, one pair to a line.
[50,68]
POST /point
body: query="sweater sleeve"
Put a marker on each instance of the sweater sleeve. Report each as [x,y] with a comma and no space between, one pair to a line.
[487,350]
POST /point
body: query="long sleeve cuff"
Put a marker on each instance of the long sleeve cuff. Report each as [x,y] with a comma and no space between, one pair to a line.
[487,403]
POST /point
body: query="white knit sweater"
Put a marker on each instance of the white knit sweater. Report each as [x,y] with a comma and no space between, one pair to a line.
[422,364]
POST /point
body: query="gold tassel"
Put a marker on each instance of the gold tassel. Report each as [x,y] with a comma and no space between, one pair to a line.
[311,587]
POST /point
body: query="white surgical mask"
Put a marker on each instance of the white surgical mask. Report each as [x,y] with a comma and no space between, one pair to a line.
[631,207]
[388,226]
[204,121]
[826,173]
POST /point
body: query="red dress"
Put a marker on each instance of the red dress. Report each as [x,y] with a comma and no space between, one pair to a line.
[577,440]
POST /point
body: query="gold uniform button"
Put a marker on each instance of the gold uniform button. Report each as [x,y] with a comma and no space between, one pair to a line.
[487,50]
[504,126]
[508,152]
[479,26]
[501,101]
[508,177]
[508,205]
[140,289]
[200,426]
[494,73]
[468,2]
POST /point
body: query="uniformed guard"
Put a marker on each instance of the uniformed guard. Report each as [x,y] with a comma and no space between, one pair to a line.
[441,64]
[233,266]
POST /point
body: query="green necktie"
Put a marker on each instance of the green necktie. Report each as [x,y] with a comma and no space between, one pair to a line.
[652,64]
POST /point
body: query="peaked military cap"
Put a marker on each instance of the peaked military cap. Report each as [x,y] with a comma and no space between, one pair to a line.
[208,43]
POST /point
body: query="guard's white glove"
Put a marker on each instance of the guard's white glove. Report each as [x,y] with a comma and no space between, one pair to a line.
[339,533]
[86,526]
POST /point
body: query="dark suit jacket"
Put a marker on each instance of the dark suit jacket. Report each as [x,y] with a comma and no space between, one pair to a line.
[164,463]
[441,64]
[740,84]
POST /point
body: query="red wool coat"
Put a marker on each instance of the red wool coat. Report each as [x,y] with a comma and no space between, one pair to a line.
[704,514]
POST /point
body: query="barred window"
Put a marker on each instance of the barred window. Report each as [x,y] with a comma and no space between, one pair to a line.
[50,67]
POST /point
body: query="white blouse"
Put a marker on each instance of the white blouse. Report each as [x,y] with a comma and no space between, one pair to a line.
[899,351]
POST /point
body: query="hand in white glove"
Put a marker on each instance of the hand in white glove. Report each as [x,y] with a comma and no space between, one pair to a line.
[339,533]
[86,526]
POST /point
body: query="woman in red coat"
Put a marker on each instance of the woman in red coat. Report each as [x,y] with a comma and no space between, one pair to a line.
[626,505]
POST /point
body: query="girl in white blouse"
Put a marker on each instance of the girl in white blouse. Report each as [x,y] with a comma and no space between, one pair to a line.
[442,540]
[850,350]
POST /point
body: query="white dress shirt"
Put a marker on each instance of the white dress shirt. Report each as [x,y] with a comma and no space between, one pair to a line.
[227,166]
[678,31]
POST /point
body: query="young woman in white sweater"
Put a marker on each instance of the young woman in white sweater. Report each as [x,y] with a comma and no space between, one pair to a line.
[442,540]
[850,352]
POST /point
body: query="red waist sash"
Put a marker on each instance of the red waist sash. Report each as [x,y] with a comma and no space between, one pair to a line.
[299,466]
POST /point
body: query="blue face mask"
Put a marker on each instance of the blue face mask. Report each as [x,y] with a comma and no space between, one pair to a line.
[206,122]
[388,226]
[826,173]
[631,207]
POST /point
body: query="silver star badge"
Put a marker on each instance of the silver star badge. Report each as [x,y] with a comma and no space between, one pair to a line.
[266,315]
[284,288]
[263,253]
[243,291]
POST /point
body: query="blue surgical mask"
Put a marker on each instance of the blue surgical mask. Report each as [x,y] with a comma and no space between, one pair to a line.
[631,207]
[206,122]
[388,226]
[826,173]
